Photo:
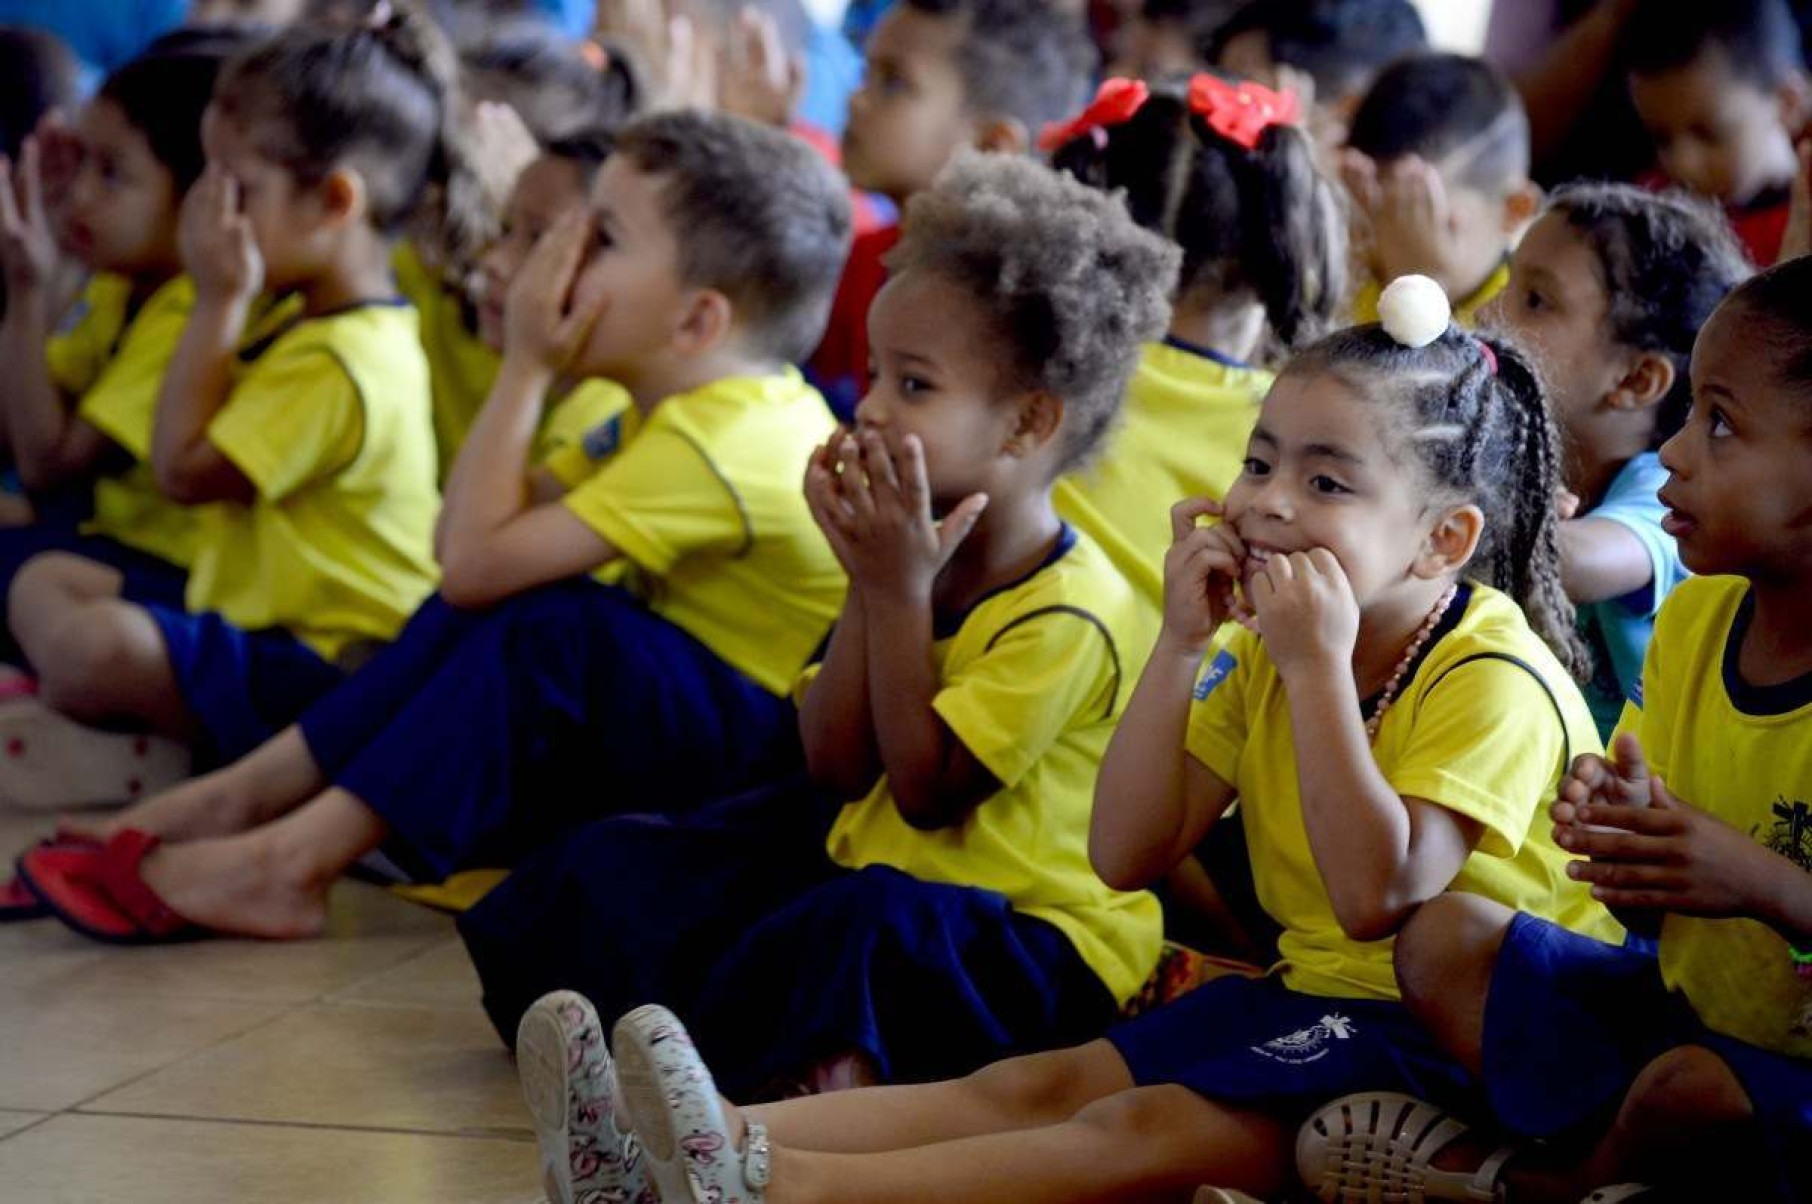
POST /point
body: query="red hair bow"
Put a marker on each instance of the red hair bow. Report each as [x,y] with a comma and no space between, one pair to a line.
[1242,112]
[1114,104]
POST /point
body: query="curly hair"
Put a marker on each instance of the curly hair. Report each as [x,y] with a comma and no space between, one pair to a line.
[1263,219]
[1668,259]
[1023,59]
[1070,283]
[758,214]
[1479,436]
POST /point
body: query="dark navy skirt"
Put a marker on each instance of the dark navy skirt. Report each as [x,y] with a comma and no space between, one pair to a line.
[479,736]
[777,958]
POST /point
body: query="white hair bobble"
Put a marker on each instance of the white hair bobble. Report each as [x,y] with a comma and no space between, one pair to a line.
[1414,310]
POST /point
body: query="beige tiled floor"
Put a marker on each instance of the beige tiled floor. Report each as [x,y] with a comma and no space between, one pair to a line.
[358,1068]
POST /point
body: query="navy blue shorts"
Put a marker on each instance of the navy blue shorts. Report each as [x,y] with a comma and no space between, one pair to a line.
[149,581]
[243,687]
[1570,1022]
[479,736]
[734,916]
[1254,1043]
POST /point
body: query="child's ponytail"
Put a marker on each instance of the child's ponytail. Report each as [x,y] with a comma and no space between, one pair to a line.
[1259,219]
[1526,552]
[464,213]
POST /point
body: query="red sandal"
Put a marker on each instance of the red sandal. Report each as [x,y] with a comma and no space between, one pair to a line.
[101,893]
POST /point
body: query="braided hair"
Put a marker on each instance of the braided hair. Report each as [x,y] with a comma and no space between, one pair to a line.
[1472,415]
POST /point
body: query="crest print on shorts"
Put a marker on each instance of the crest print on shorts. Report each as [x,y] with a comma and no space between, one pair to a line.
[1309,1044]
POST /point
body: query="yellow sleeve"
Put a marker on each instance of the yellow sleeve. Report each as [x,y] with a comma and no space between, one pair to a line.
[76,355]
[1486,744]
[660,500]
[588,406]
[1218,724]
[292,420]
[1042,673]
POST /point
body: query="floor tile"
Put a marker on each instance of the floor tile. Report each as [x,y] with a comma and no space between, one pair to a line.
[441,977]
[12,1122]
[61,1048]
[80,1159]
[419,1069]
[369,932]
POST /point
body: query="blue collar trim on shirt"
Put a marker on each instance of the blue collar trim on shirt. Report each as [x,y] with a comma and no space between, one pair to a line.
[1207,353]
[943,627]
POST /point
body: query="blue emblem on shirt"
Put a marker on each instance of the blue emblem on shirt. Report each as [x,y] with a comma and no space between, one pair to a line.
[602,441]
[1636,692]
[1218,672]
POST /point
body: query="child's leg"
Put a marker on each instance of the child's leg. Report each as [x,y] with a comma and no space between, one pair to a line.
[1145,1143]
[1018,1093]
[269,782]
[98,658]
[1445,956]
[271,882]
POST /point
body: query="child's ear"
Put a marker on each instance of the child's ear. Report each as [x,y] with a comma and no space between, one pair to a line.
[1040,416]
[1002,136]
[1451,542]
[1649,379]
[1521,204]
[705,323]
[343,195]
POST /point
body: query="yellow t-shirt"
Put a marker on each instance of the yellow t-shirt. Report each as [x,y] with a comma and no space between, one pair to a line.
[1032,683]
[1471,731]
[330,419]
[1743,754]
[89,334]
[121,402]
[463,369]
[1465,310]
[702,496]
[1182,433]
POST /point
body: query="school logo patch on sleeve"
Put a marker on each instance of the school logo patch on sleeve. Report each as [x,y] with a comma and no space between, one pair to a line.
[601,441]
[1219,670]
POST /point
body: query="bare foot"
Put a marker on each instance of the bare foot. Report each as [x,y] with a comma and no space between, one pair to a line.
[198,809]
[239,886]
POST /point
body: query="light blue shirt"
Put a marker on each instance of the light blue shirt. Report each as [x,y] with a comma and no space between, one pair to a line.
[104,34]
[1618,631]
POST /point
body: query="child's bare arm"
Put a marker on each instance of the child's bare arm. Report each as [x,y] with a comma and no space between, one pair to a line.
[1601,560]
[896,552]
[1653,853]
[1380,854]
[49,443]
[495,537]
[221,258]
[836,723]
[1153,801]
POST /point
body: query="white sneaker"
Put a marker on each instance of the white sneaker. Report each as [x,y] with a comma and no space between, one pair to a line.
[570,1086]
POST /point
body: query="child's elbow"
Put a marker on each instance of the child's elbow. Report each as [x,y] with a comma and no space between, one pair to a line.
[1119,871]
[1370,919]
[467,584]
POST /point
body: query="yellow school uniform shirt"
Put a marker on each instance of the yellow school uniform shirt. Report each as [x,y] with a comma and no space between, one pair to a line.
[1465,309]
[463,368]
[1743,754]
[121,402]
[330,419]
[1032,682]
[89,334]
[1472,730]
[702,496]
[1182,433]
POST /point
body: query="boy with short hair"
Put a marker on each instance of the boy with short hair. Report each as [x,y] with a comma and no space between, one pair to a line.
[1437,162]
[943,76]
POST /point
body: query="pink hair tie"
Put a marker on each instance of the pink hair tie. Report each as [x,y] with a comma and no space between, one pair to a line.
[1490,355]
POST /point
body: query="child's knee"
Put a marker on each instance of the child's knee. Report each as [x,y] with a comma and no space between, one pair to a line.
[46,586]
[1686,1089]
[1042,1087]
[82,663]
[1451,938]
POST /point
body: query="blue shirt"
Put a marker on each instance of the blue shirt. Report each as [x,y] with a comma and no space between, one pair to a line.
[104,34]
[1618,630]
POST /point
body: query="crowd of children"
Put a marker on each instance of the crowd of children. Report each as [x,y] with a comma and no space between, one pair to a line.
[856,601]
